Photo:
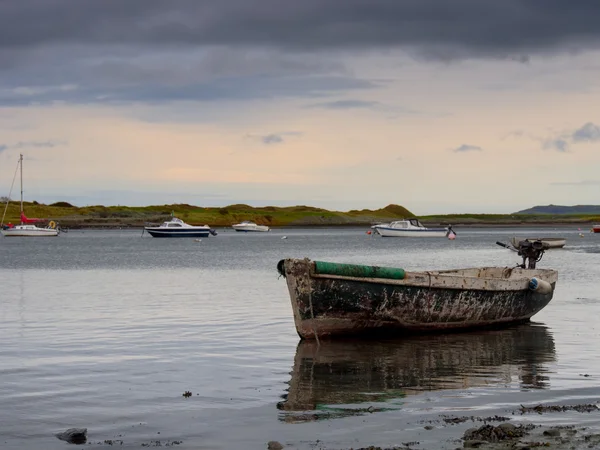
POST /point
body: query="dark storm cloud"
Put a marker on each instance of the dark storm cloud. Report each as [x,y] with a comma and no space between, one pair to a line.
[467,148]
[474,27]
[79,51]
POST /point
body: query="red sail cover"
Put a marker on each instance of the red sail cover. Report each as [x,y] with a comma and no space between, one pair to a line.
[24,219]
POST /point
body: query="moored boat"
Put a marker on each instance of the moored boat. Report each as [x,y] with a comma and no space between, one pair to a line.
[330,299]
[596,228]
[410,228]
[27,227]
[553,242]
[247,226]
[178,228]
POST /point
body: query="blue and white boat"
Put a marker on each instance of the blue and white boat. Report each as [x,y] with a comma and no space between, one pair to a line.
[178,228]
[410,228]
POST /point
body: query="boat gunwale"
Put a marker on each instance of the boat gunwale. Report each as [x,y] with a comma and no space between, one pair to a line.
[452,279]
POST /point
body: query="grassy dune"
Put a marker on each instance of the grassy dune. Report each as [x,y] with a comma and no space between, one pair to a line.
[126,216]
[110,216]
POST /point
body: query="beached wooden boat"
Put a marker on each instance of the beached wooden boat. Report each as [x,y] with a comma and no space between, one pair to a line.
[553,242]
[330,299]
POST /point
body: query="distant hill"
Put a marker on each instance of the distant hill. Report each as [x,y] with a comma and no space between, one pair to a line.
[558,209]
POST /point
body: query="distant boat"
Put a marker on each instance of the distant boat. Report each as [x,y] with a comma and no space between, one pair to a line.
[410,228]
[27,228]
[247,226]
[178,228]
[330,299]
[596,228]
[553,242]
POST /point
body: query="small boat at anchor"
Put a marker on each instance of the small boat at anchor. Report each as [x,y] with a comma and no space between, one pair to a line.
[247,226]
[596,229]
[553,242]
[330,299]
[27,227]
[410,228]
[178,228]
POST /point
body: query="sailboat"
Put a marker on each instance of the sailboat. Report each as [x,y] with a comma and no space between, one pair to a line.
[28,227]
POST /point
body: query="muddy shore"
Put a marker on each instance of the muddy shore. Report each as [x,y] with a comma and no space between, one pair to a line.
[520,429]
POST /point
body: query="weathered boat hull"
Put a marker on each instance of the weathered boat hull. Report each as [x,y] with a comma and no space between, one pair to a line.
[551,242]
[326,305]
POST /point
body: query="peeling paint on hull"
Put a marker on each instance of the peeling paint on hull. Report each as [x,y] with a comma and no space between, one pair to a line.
[327,306]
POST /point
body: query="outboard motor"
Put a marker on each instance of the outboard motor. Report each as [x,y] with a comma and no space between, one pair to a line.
[531,252]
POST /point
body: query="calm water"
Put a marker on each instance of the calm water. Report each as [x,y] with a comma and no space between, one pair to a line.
[107,330]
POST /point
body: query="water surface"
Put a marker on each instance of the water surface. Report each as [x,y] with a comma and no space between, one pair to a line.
[107,330]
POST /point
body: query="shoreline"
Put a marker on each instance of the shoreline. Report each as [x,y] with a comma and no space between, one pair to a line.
[584,227]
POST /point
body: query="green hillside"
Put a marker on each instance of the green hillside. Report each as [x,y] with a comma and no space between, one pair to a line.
[560,210]
[113,216]
[301,215]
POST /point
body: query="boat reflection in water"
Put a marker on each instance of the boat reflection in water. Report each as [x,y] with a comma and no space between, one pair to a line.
[337,378]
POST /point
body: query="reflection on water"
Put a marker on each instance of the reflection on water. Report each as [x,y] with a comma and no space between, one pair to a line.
[338,373]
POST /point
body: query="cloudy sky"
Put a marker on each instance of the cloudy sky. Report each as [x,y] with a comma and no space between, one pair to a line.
[440,106]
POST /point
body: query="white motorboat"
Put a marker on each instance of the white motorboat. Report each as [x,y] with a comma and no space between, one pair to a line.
[410,228]
[27,228]
[178,228]
[246,226]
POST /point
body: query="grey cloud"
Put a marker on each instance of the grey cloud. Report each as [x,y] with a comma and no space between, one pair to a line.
[467,148]
[274,138]
[245,88]
[470,27]
[345,104]
[559,144]
[31,144]
[587,133]
[157,51]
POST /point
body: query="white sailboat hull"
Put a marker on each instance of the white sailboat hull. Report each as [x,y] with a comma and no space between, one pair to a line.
[29,232]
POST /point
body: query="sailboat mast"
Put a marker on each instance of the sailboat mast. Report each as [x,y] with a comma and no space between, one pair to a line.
[21,163]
